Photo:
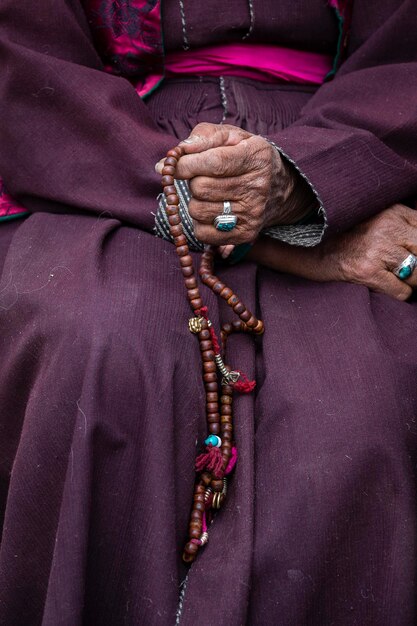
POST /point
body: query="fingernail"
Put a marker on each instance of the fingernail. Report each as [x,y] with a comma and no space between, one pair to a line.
[159,166]
[191,139]
[226,252]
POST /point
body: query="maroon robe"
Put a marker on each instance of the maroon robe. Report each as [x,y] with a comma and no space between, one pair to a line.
[101,399]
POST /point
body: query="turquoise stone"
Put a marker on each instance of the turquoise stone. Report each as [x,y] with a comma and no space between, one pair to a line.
[214,440]
[405,272]
[225,227]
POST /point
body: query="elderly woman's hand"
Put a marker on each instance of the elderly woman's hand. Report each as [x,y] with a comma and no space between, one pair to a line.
[224,162]
[366,254]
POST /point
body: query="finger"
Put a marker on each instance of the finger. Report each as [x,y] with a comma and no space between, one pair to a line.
[401,257]
[206,136]
[250,221]
[226,251]
[209,235]
[219,189]
[390,285]
[221,162]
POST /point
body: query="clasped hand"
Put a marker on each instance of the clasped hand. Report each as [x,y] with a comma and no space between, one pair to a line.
[224,162]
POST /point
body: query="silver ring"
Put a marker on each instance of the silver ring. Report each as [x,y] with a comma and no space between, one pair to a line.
[406,268]
[227,220]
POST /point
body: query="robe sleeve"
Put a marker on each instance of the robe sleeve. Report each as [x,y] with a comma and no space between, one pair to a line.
[356,139]
[71,135]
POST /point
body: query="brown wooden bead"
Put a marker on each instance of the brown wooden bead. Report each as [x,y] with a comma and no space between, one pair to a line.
[226,415]
[171,160]
[193,293]
[199,488]
[217,287]
[252,322]
[197,515]
[259,328]
[226,292]
[196,304]
[214,428]
[213,418]
[237,325]
[233,300]
[212,407]
[206,478]
[209,367]
[226,446]
[167,181]
[227,328]
[208,355]
[239,308]
[198,506]
[174,152]
[227,427]
[191,548]
[212,386]
[188,558]
[191,283]
[195,533]
[176,230]
[186,260]
[182,250]
[225,400]
[217,484]
[210,377]
[199,497]
[181,240]
[174,220]
[204,275]
[168,170]
[187,271]
[206,345]
[227,390]
[172,201]
[211,397]
[204,334]
[170,189]
[245,316]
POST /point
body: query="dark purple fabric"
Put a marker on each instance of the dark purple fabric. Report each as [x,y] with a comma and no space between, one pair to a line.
[101,400]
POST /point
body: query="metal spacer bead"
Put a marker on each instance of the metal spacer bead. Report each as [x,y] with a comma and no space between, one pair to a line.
[204,538]
[207,494]
[224,491]
[195,324]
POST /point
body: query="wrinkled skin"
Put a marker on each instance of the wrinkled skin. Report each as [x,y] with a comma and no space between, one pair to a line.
[224,162]
[366,255]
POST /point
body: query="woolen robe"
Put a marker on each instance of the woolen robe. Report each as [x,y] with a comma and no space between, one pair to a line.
[102,406]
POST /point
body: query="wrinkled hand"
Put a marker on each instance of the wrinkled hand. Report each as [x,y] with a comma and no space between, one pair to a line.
[366,254]
[224,162]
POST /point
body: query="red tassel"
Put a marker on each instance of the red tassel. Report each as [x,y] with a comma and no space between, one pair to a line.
[211,460]
[244,385]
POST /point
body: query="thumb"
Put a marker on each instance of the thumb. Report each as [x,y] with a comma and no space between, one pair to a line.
[205,136]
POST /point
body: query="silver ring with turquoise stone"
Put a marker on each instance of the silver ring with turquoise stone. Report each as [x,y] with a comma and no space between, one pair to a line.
[227,220]
[406,268]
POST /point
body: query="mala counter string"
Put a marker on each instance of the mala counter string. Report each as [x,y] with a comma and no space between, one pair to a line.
[220,455]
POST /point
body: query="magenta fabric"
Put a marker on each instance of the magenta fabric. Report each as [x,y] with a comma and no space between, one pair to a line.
[256,61]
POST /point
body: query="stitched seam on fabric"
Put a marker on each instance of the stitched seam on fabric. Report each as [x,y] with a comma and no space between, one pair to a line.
[321,210]
[185,44]
[252,20]
[181,600]
[224,98]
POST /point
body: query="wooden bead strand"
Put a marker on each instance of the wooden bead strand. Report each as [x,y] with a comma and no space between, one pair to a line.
[218,461]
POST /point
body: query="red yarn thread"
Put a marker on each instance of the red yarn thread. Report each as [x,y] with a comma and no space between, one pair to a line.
[244,385]
[211,460]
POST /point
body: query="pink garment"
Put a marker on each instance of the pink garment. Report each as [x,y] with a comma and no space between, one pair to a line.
[260,62]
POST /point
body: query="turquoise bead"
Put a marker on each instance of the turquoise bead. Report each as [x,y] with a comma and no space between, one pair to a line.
[405,272]
[215,441]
